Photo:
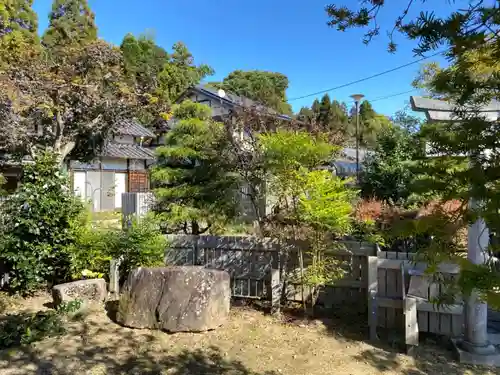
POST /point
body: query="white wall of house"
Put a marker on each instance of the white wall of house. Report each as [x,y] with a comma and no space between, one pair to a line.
[114,163]
[101,182]
[120,188]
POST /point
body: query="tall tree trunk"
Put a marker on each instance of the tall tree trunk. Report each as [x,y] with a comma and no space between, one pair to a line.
[195,228]
[63,151]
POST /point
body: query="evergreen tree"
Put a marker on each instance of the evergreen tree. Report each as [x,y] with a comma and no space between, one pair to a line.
[324,112]
[316,106]
[306,115]
[267,88]
[143,60]
[158,76]
[195,188]
[72,22]
[18,28]
[467,168]
[366,112]
[387,175]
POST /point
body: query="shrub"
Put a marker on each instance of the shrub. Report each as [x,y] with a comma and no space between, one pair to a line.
[90,253]
[37,226]
[141,245]
[26,328]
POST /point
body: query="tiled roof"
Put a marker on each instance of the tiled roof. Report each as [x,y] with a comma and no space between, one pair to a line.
[235,100]
[132,127]
[127,151]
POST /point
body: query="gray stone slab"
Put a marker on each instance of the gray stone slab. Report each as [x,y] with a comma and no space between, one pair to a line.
[476,359]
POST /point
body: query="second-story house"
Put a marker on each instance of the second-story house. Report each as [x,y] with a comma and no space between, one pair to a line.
[121,167]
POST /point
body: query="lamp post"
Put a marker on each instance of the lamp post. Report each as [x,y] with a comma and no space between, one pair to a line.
[357,98]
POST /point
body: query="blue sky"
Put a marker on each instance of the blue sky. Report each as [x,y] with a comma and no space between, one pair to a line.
[287,36]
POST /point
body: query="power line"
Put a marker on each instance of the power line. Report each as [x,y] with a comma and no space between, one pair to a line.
[369,77]
[392,96]
[385,97]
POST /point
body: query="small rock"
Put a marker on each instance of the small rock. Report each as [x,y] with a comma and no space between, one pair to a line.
[90,290]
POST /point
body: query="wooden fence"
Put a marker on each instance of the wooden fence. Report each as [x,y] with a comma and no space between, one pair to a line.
[390,280]
[250,262]
[374,280]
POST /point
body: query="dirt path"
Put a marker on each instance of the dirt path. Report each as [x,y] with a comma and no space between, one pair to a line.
[251,344]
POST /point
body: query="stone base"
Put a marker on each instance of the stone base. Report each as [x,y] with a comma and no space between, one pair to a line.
[474,355]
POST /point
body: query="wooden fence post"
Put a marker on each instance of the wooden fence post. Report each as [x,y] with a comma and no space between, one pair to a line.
[114,277]
[196,253]
[275,291]
[372,289]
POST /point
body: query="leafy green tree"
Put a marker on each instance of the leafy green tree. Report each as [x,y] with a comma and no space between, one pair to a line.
[324,111]
[371,124]
[195,187]
[387,173]
[407,122]
[159,78]
[267,88]
[181,73]
[466,165]
[309,204]
[143,60]
[72,22]
[339,116]
[328,116]
[18,28]
[66,106]
[306,115]
[316,107]
[37,226]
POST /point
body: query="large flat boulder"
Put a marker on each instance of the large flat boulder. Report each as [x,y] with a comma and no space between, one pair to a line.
[175,299]
[90,290]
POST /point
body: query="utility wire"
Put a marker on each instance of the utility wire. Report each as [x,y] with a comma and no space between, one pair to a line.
[392,96]
[387,96]
[369,77]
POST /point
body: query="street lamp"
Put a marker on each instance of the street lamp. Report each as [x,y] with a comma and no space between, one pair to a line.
[357,98]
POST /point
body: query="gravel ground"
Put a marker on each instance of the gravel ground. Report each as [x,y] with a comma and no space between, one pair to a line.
[252,343]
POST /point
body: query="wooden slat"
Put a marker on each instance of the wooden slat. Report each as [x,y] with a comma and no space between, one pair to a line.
[346,283]
[457,325]
[372,284]
[411,322]
[421,306]
[423,320]
[382,292]
[396,264]
[392,292]
[434,322]
[445,324]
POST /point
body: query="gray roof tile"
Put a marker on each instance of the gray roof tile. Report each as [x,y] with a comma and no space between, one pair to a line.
[236,100]
[127,151]
[132,127]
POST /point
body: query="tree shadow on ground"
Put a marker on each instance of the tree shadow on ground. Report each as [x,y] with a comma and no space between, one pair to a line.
[434,355]
[121,352]
[427,359]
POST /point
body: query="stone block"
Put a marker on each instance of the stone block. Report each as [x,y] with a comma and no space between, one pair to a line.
[175,299]
[90,290]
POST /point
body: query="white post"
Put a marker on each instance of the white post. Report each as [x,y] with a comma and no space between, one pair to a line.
[476,312]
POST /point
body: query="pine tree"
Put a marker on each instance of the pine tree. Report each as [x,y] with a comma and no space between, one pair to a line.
[194,184]
[324,112]
[18,27]
[316,106]
[72,22]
